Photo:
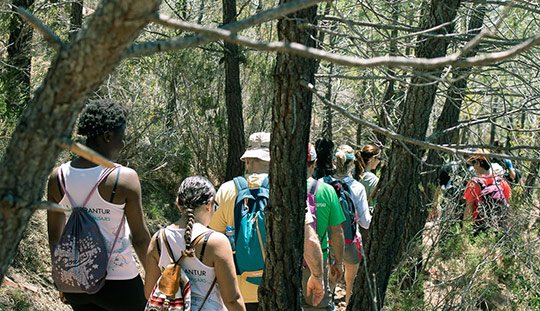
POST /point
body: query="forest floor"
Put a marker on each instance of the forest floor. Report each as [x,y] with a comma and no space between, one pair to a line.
[28,285]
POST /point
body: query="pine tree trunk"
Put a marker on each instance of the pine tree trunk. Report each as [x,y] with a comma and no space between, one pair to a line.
[400,214]
[388,102]
[75,18]
[233,99]
[17,74]
[77,70]
[291,116]
[452,106]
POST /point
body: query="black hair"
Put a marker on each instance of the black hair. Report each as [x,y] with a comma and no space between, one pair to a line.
[325,151]
[483,163]
[101,115]
[193,192]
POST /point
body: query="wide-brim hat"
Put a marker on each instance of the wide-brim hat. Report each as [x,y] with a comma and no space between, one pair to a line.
[258,147]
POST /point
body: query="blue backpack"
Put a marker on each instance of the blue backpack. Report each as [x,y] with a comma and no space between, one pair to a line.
[343,192]
[250,232]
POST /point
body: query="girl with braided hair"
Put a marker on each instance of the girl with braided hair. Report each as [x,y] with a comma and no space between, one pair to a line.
[209,264]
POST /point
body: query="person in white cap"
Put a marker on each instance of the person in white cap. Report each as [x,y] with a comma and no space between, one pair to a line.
[257,159]
[328,214]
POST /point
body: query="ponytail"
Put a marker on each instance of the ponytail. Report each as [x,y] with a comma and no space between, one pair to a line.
[359,166]
[344,158]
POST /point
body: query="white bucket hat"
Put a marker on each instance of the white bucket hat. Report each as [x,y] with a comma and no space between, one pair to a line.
[258,147]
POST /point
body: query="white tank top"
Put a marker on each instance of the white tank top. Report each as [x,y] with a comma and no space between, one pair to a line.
[78,183]
[200,275]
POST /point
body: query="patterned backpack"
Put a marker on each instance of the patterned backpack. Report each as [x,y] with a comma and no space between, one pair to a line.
[79,259]
[172,291]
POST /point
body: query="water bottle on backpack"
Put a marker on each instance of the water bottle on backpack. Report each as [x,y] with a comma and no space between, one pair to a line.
[229,232]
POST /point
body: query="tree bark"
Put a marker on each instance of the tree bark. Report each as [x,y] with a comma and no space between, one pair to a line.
[17,74]
[75,18]
[400,213]
[78,69]
[389,94]
[291,118]
[449,116]
[233,99]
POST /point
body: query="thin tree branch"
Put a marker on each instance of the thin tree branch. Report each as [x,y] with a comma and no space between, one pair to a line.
[398,137]
[86,153]
[149,48]
[389,61]
[365,24]
[54,41]
[53,207]
[527,6]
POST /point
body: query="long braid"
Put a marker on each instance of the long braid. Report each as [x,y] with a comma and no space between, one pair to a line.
[187,235]
[194,192]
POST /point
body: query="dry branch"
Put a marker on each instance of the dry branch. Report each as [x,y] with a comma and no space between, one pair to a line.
[54,41]
[388,61]
[398,137]
[149,48]
[53,207]
[87,153]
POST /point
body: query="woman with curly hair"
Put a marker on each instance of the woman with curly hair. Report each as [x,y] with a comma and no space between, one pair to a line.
[209,264]
[115,199]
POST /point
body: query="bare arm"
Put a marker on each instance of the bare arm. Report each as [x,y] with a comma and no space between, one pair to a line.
[129,181]
[512,173]
[55,220]
[314,259]
[467,215]
[338,246]
[220,252]
[152,271]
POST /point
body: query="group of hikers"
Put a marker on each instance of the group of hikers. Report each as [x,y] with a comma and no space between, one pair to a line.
[214,254]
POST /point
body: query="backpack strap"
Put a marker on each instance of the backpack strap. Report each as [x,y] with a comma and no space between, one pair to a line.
[266,183]
[122,222]
[311,201]
[167,245]
[241,183]
[206,237]
[195,242]
[115,184]
[480,182]
[158,244]
[208,293]
[102,177]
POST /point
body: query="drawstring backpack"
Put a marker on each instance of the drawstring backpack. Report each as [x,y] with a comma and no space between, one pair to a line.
[79,259]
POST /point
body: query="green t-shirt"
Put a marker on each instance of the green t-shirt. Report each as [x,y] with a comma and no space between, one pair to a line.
[329,212]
